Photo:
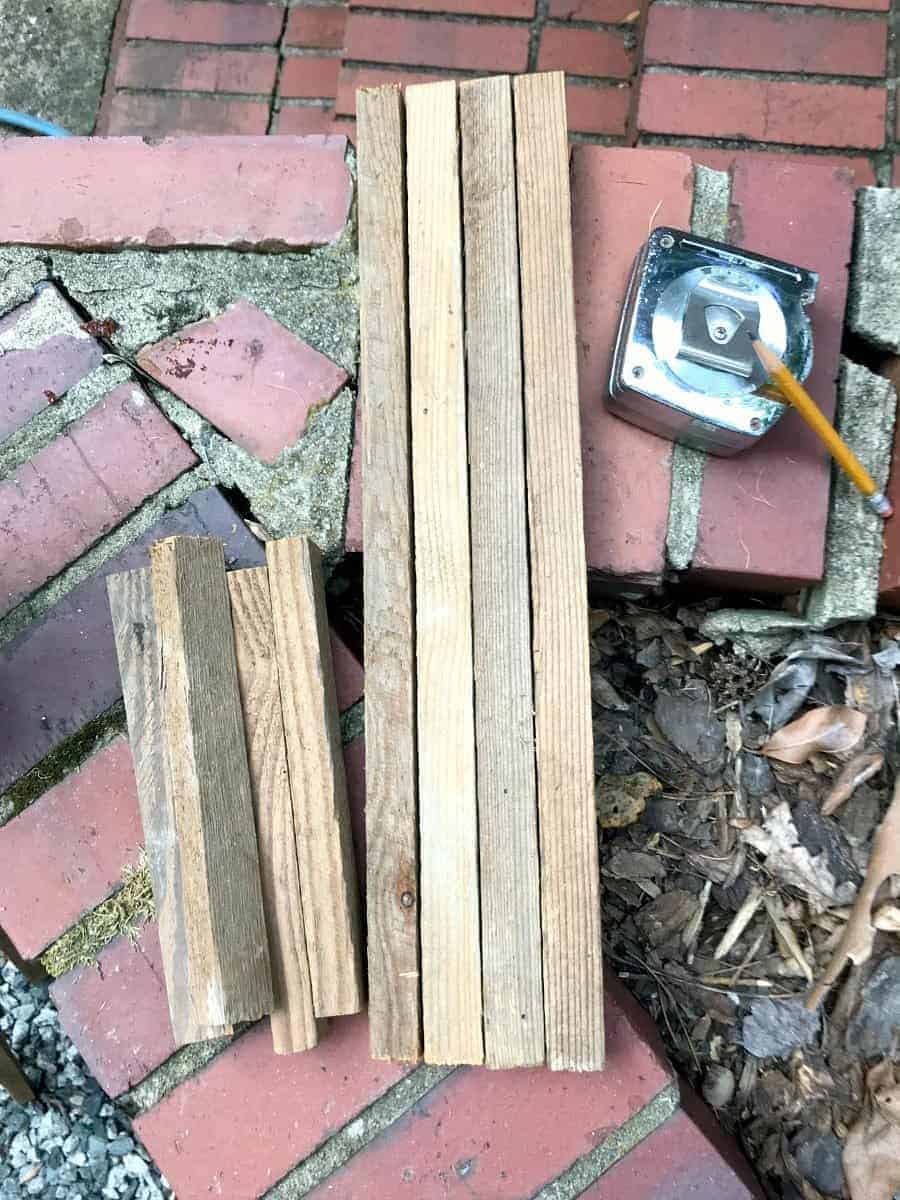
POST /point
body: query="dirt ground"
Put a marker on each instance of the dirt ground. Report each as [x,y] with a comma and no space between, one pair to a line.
[739,800]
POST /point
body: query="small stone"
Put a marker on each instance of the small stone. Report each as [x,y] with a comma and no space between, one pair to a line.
[871,1030]
[819,1158]
[775,1027]
[19,1033]
[135,1165]
[24,1012]
[120,1145]
[78,1159]
[97,1148]
[756,775]
[718,1085]
[693,728]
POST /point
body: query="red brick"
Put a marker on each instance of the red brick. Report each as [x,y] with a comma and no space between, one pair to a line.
[347,127]
[416,42]
[859,5]
[584,52]
[309,77]
[252,378]
[239,1125]
[306,118]
[597,109]
[477,8]
[594,10]
[157,116]
[109,192]
[188,69]
[321,26]
[762,525]
[762,110]
[42,348]
[493,1135]
[351,79]
[117,1013]
[677,1160]
[222,24]
[353,531]
[724,160]
[742,39]
[627,472]
[61,672]
[348,673]
[61,501]
[65,852]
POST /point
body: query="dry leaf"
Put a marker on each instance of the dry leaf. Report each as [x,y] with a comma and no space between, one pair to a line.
[848,779]
[831,730]
[790,861]
[859,932]
[872,1148]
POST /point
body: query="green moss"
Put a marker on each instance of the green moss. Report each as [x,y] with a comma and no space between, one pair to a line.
[122,913]
[62,761]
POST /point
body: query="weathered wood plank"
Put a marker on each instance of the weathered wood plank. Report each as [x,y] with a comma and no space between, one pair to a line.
[392,882]
[570,905]
[12,1077]
[293,1021]
[137,647]
[209,784]
[318,783]
[501,594]
[451,957]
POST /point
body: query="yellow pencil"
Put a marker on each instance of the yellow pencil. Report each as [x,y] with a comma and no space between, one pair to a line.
[796,395]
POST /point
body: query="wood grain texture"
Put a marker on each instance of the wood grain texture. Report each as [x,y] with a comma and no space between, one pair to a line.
[12,1077]
[501,593]
[293,1021]
[137,647]
[318,783]
[451,956]
[570,904]
[209,784]
[392,841]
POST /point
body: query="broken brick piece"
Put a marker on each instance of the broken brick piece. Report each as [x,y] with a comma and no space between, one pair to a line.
[83,484]
[43,352]
[117,1013]
[65,852]
[248,375]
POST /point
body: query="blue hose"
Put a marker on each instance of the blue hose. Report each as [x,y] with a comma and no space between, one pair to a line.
[9,116]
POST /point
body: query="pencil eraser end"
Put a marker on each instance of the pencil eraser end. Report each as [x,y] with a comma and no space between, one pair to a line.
[880,504]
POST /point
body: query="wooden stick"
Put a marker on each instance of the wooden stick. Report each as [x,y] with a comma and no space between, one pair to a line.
[570,902]
[799,398]
[501,619]
[12,1077]
[392,844]
[451,958]
[209,784]
[293,1021]
[137,647]
[316,769]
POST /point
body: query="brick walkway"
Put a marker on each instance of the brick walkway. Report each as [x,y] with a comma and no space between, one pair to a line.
[791,104]
[717,77]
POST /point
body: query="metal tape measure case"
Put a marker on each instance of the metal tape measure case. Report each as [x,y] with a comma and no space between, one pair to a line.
[683,365]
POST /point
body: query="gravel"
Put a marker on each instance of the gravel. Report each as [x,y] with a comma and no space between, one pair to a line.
[72,1143]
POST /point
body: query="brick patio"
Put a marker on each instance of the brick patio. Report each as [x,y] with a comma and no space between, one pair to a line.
[653,93]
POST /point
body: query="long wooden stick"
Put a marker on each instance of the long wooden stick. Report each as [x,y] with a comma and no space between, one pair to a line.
[501,620]
[570,901]
[137,648]
[293,1020]
[451,958]
[318,783]
[392,843]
